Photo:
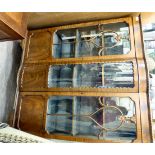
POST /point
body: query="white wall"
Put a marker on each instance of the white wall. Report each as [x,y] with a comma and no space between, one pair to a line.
[10,54]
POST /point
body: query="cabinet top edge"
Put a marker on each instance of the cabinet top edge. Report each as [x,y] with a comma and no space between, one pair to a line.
[84,24]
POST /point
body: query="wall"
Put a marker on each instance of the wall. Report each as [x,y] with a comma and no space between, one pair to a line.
[10,56]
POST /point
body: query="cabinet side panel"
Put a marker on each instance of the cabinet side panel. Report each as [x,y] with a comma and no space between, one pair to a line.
[30,117]
[34,77]
[39,45]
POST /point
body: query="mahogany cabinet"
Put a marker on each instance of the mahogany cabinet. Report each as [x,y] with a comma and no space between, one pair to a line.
[85,82]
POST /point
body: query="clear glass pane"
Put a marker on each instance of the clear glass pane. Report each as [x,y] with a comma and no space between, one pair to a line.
[59,124]
[99,40]
[64,50]
[60,105]
[64,43]
[111,118]
[87,48]
[60,76]
[116,39]
[103,75]
[89,41]
[118,75]
[88,75]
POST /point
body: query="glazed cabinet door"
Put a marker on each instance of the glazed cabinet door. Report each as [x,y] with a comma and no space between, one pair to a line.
[107,118]
[107,76]
[93,118]
[109,39]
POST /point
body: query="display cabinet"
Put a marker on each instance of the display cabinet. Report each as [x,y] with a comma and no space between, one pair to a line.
[85,82]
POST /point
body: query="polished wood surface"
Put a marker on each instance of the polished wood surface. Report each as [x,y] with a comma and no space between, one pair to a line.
[143,82]
[39,46]
[13,25]
[147,17]
[49,19]
[31,114]
[35,77]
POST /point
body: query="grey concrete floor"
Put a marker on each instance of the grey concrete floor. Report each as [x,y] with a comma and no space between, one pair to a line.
[10,56]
